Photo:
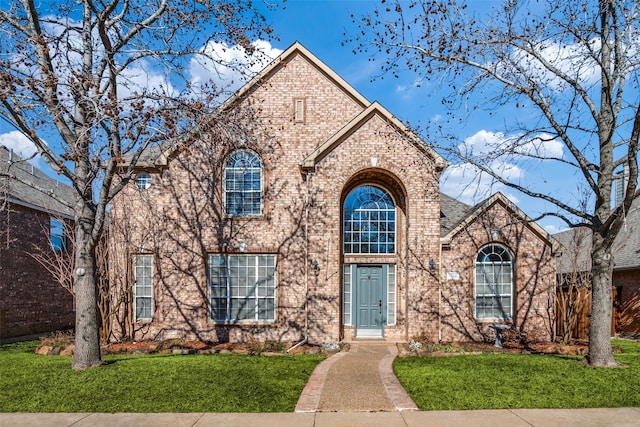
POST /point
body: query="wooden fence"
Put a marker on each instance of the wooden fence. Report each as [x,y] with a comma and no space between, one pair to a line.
[580,330]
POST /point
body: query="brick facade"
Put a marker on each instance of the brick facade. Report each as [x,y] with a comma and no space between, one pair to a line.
[310,164]
[33,302]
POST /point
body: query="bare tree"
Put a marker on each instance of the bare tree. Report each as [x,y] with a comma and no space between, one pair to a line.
[90,82]
[573,65]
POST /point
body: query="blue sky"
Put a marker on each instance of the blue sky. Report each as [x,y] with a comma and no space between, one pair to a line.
[320,26]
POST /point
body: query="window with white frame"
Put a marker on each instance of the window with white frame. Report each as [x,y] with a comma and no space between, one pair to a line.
[243,184]
[56,235]
[242,287]
[494,283]
[369,223]
[143,287]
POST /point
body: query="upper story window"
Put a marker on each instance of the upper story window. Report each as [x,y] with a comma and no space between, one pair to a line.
[243,184]
[56,235]
[494,283]
[143,181]
[369,223]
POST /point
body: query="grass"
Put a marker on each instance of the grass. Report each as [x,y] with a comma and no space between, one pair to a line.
[151,383]
[495,381]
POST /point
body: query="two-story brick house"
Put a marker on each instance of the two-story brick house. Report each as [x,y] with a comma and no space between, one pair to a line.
[319,217]
[35,215]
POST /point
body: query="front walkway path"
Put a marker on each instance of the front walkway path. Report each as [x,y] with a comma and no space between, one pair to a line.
[361,380]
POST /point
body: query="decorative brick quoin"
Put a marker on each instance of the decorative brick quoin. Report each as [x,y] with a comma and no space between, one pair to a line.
[313,213]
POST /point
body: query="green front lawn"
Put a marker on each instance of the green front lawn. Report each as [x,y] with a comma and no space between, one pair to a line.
[495,381]
[151,383]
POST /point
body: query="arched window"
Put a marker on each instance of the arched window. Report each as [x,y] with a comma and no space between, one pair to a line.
[369,222]
[243,184]
[494,283]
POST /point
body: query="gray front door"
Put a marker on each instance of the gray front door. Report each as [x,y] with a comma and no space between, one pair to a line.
[371,303]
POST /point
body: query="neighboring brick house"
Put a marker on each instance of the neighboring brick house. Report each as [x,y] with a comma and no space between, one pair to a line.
[33,214]
[319,217]
[576,255]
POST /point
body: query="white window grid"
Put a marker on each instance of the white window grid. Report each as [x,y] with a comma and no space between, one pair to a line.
[143,288]
[242,287]
[243,184]
[494,283]
[369,224]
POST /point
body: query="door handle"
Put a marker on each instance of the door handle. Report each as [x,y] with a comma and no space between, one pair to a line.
[380,304]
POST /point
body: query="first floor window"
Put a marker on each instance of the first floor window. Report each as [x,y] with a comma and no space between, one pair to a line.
[242,287]
[494,283]
[143,288]
[56,234]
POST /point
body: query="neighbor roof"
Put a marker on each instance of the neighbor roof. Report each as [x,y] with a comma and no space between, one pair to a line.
[626,247]
[26,185]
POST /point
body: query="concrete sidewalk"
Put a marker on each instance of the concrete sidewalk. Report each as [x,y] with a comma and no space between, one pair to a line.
[620,417]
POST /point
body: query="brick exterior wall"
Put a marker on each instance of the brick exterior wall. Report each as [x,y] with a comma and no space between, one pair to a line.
[180,219]
[627,283]
[533,274]
[32,302]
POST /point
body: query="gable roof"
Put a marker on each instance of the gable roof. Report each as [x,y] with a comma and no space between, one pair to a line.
[26,185]
[452,211]
[159,154]
[576,243]
[373,109]
[501,199]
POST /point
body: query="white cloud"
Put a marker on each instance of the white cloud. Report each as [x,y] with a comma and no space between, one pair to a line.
[230,62]
[504,155]
[20,144]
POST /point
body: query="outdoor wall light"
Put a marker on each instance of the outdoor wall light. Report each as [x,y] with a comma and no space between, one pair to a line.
[316,265]
[432,266]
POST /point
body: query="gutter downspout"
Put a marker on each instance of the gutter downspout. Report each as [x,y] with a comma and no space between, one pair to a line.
[306,268]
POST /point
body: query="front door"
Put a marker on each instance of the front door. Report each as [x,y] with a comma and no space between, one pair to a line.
[371,303]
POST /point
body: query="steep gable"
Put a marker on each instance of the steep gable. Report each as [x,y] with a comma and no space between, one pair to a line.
[484,206]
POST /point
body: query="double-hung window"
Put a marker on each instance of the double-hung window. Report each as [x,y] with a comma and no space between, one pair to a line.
[243,184]
[143,287]
[242,287]
[56,235]
[494,283]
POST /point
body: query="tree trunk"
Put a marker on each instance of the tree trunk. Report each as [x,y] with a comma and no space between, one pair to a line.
[87,349]
[600,352]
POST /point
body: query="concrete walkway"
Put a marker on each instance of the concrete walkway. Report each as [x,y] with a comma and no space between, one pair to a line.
[359,380]
[355,388]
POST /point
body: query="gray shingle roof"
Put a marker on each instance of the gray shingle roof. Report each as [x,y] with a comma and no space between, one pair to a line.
[626,247]
[452,212]
[28,186]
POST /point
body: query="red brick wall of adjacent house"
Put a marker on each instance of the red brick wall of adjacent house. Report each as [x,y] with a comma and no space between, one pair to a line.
[32,302]
[627,284]
[534,273]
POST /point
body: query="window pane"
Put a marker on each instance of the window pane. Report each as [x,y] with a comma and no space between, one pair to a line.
[243,184]
[494,283]
[251,283]
[369,217]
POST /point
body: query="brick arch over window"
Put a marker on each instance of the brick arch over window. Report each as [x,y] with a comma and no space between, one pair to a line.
[385,191]
[379,178]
